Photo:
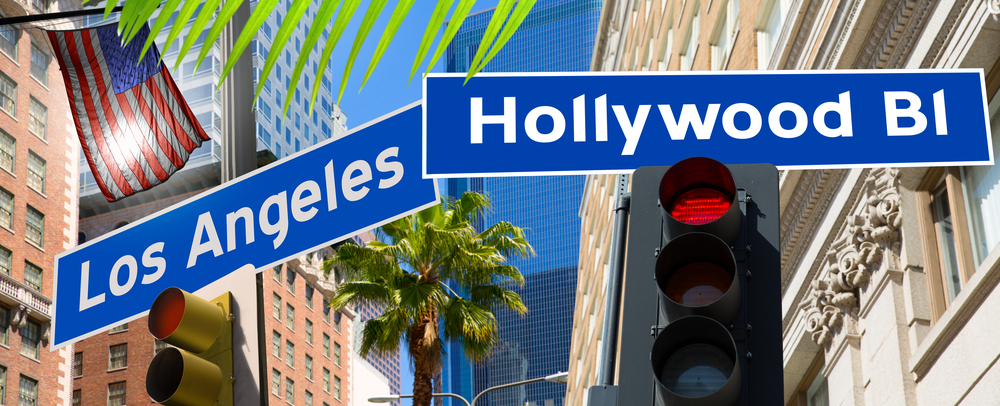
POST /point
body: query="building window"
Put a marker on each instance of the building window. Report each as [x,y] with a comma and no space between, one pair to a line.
[4,326]
[336,387]
[29,339]
[982,192]
[3,383]
[6,209]
[326,380]
[309,367]
[277,273]
[812,389]
[289,353]
[9,37]
[666,46]
[37,118]
[78,365]
[691,39]
[40,5]
[326,313]
[118,356]
[309,296]
[289,391]
[276,382]
[725,34]
[159,345]
[116,394]
[8,95]
[290,317]
[276,307]
[943,225]
[39,64]
[309,398]
[290,277]
[326,346]
[36,172]
[276,344]
[336,321]
[118,328]
[5,259]
[769,31]
[309,331]
[36,226]
[77,397]
[7,147]
[28,392]
[336,354]
[33,276]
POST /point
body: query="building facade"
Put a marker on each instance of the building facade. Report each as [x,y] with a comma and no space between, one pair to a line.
[556,36]
[888,274]
[38,204]
[309,355]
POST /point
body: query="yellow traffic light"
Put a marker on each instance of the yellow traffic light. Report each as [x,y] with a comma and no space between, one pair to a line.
[198,370]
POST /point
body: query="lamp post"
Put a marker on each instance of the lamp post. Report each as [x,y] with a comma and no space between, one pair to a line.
[561,377]
[391,398]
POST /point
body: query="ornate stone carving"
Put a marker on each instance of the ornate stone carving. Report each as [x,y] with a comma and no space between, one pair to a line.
[869,242]
[20,316]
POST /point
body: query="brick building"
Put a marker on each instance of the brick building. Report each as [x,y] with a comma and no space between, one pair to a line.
[889,275]
[38,203]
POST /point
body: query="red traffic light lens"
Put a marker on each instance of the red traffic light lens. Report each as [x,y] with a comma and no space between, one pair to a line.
[697,191]
[700,206]
[698,284]
[166,313]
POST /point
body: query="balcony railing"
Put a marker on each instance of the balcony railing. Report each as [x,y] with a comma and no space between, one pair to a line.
[15,291]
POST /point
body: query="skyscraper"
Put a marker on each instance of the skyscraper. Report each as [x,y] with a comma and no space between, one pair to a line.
[556,36]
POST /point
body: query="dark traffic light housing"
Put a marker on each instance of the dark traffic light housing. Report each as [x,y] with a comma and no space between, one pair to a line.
[702,301]
[198,370]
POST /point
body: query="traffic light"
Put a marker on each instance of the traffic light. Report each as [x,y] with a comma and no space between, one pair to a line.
[701,311]
[198,370]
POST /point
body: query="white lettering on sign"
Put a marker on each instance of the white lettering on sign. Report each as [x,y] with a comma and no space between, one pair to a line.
[740,121]
[128,265]
[273,216]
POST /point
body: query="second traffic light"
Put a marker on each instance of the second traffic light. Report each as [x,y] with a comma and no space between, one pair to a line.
[198,370]
[692,229]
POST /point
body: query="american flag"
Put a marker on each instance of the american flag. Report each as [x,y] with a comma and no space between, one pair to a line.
[134,125]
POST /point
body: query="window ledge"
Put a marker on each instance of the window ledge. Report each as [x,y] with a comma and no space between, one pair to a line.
[118,369]
[43,85]
[9,172]
[8,229]
[40,138]
[10,115]
[33,359]
[32,243]
[11,59]
[952,322]
[39,193]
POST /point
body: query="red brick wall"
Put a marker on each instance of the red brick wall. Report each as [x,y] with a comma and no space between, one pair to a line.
[58,203]
[96,361]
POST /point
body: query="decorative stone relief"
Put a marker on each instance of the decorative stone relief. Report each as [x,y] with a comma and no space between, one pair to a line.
[20,316]
[868,243]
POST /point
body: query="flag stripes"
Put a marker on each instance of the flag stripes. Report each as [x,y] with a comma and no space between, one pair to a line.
[133,139]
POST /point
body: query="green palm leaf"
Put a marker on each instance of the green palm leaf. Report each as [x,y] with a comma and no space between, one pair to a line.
[199,24]
[437,18]
[344,17]
[492,29]
[257,19]
[395,21]
[461,11]
[366,25]
[228,9]
[516,18]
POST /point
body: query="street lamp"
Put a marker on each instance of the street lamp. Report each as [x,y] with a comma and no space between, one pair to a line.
[392,398]
[561,377]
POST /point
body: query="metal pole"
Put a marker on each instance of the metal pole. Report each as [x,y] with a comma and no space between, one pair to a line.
[31,18]
[239,148]
[612,311]
[504,386]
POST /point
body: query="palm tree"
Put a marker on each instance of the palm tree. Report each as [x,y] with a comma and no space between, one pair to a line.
[411,276]
[135,13]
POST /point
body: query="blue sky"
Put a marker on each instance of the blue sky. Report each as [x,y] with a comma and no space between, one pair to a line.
[387,88]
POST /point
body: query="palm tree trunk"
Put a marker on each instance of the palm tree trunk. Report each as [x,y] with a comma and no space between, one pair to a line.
[423,368]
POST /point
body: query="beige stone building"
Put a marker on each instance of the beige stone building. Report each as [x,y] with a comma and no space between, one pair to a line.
[888,275]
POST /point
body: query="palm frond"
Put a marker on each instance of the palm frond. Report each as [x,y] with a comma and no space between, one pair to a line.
[471,324]
[359,292]
[496,296]
[517,17]
[398,15]
[374,8]
[437,18]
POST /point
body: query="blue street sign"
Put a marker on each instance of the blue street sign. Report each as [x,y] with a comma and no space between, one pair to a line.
[324,194]
[537,123]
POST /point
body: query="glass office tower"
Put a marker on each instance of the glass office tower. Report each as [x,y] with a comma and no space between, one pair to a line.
[557,36]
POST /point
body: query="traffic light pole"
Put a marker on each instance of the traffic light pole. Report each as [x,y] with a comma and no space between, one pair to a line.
[239,157]
[612,312]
